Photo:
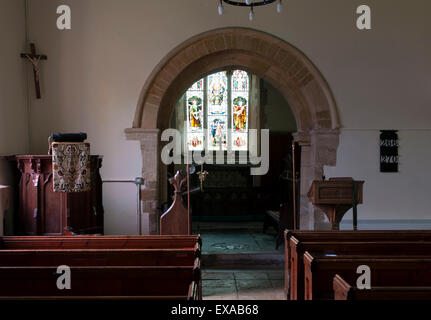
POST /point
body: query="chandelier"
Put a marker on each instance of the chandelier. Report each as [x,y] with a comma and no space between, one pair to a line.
[249,3]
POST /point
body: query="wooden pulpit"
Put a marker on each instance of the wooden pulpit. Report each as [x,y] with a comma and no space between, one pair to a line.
[43,212]
[335,197]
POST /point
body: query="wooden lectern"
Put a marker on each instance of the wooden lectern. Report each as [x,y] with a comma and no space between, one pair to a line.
[335,197]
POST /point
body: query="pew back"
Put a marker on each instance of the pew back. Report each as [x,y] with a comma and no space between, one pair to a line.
[139,267]
[344,291]
[101,242]
[385,271]
[351,236]
[371,248]
[98,257]
[32,281]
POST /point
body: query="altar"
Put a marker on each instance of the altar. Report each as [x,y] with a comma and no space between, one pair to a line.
[45,212]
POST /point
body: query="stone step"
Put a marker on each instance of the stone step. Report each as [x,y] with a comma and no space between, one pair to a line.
[246,227]
[260,260]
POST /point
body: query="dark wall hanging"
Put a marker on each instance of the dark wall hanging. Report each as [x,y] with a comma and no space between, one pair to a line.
[388,151]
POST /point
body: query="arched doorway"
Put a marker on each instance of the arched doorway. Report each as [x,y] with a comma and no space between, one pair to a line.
[272,59]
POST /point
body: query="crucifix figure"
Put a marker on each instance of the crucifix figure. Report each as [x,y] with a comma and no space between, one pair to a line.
[202,176]
[34,60]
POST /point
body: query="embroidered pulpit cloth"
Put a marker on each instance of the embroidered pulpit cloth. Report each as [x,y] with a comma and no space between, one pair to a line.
[71,166]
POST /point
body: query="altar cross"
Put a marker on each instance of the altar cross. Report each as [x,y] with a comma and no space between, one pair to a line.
[34,60]
[202,176]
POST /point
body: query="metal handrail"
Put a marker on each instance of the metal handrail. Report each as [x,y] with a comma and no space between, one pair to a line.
[139,181]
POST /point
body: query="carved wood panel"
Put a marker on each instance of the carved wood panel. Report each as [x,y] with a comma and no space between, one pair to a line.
[176,220]
[45,212]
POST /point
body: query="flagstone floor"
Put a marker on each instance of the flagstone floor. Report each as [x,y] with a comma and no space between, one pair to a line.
[249,279]
[222,237]
[230,242]
[243,285]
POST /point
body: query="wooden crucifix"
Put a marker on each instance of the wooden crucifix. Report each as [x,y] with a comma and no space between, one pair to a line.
[34,60]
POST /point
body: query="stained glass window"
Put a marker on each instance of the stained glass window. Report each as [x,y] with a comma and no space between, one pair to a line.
[218,103]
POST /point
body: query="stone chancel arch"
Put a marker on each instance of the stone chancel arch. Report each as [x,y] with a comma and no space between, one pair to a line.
[270,58]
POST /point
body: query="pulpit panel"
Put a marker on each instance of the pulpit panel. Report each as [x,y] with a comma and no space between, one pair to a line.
[45,212]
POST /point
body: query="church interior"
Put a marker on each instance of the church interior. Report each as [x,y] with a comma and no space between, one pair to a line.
[215,149]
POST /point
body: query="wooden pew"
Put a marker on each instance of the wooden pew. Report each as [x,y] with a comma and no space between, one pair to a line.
[101,242]
[120,252]
[98,257]
[385,271]
[362,235]
[143,282]
[344,291]
[371,248]
[359,235]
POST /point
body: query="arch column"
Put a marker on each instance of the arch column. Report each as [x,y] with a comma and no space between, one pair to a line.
[318,148]
[150,146]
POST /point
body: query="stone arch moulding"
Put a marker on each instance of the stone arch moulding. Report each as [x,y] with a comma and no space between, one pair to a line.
[274,60]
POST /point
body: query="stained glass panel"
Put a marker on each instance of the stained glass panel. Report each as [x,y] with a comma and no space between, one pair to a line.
[239,112]
[195,141]
[239,109]
[195,116]
[240,81]
[239,141]
[217,93]
[197,86]
[217,133]
[195,111]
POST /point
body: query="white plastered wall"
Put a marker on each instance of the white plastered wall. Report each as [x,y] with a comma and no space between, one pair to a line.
[380,80]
